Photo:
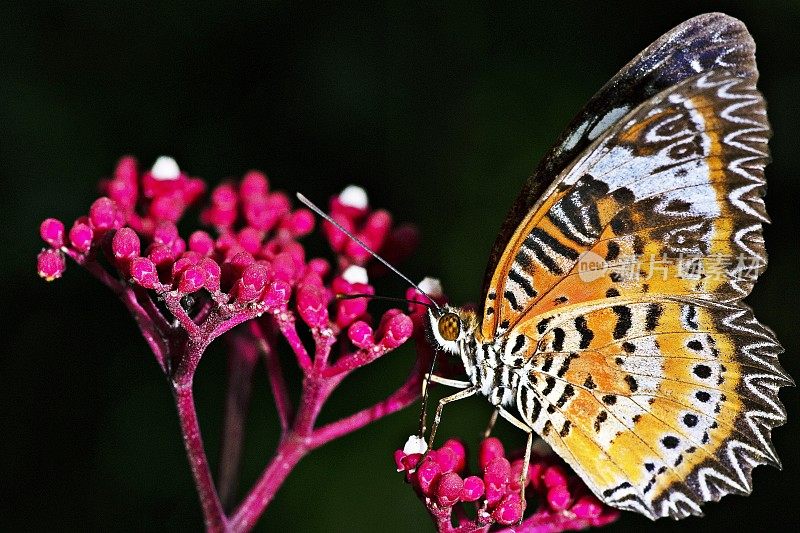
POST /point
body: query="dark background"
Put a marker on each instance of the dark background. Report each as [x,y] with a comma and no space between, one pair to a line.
[439,112]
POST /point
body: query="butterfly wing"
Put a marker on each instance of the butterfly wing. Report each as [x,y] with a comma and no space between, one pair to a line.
[703,43]
[648,375]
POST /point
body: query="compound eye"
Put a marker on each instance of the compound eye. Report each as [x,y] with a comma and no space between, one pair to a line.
[449,326]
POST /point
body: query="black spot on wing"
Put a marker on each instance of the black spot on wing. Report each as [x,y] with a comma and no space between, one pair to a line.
[624,320]
[558,339]
[586,334]
[654,311]
[523,282]
[598,421]
[569,392]
[512,300]
[541,327]
[550,383]
[565,365]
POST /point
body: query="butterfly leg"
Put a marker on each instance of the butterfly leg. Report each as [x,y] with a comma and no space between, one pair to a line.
[490,426]
[466,393]
[528,447]
[432,378]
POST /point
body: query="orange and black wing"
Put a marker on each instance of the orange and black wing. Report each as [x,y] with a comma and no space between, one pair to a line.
[619,291]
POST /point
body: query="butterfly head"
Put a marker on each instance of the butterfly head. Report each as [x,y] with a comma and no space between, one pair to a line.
[448,327]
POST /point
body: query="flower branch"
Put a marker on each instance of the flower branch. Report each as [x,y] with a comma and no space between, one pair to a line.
[185,293]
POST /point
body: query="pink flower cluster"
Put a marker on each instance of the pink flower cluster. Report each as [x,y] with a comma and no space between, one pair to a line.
[248,265]
[439,478]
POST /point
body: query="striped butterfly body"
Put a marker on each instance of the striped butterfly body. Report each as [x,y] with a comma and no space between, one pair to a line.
[612,324]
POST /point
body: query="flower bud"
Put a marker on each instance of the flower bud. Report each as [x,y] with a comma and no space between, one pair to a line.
[360,335]
[104,215]
[143,272]
[254,279]
[473,489]
[125,244]
[50,264]
[449,488]
[201,242]
[80,237]
[52,232]
[192,279]
[509,510]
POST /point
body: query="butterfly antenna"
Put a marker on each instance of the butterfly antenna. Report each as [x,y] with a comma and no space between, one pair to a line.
[386,263]
[386,298]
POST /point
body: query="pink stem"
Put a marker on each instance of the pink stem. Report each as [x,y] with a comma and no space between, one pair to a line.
[400,399]
[294,445]
[148,325]
[356,360]
[288,330]
[290,450]
[215,519]
[277,382]
[242,359]
[173,301]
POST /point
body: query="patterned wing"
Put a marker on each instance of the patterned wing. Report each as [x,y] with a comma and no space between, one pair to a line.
[646,373]
[706,42]
[659,404]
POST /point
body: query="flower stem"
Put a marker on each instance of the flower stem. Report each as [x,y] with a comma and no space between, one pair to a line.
[215,519]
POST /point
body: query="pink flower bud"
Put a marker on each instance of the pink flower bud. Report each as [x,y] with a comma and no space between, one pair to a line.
[166,233]
[427,475]
[50,264]
[587,507]
[449,488]
[489,449]
[458,453]
[192,279]
[535,473]
[254,279]
[399,455]
[555,476]
[360,335]
[223,210]
[201,242]
[337,238]
[516,475]
[497,472]
[299,223]
[143,272]
[126,171]
[253,184]
[349,310]
[125,244]
[509,511]
[160,254]
[52,232]
[397,331]
[182,264]
[80,236]
[168,207]
[104,215]
[319,266]
[558,498]
[193,188]
[373,234]
[312,304]
[258,214]
[277,294]
[250,239]
[473,489]
[213,274]
[286,267]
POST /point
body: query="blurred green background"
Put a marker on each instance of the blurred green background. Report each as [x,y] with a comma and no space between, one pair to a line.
[440,112]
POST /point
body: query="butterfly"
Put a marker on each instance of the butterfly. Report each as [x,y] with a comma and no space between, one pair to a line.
[611,322]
